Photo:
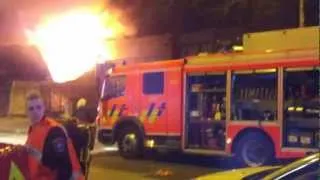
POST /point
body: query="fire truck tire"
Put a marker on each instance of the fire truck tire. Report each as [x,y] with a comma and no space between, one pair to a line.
[254,149]
[130,143]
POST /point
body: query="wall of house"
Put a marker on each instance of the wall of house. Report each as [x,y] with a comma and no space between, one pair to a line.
[4,96]
[54,100]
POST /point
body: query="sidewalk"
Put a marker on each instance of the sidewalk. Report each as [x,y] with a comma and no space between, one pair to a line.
[18,125]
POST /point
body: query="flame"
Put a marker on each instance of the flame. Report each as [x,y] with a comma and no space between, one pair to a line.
[73,42]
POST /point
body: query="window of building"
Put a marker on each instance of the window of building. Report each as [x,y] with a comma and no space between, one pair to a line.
[254,95]
[153,83]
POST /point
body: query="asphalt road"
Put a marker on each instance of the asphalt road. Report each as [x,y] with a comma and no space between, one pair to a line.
[109,165]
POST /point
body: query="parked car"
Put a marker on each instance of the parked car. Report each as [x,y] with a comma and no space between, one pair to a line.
[307,168]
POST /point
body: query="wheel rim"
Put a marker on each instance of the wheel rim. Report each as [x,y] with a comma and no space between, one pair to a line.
[254,153]
[129,143]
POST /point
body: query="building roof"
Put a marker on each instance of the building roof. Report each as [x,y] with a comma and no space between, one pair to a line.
[22,63]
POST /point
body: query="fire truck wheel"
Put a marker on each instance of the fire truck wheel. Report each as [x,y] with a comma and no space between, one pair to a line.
[254,149]
[130,143]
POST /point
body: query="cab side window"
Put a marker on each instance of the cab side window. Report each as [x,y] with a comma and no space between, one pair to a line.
[114,86]
[254,95]
[153,83]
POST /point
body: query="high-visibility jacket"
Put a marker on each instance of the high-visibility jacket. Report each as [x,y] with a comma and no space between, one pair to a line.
[13,162]
[35,145]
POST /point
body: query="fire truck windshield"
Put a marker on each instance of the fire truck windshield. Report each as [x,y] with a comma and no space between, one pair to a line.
[113,86]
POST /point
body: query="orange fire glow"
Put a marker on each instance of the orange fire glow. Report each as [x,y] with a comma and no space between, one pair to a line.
[72,43]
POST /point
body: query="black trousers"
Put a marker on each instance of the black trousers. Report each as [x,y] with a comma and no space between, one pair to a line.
[88,134]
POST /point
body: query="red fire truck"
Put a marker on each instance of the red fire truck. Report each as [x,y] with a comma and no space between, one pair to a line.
[252,106]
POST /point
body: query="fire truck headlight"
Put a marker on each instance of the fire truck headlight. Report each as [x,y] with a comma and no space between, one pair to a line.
[132,136]
[99,108]
[110,71]
[229,140]
[150,143]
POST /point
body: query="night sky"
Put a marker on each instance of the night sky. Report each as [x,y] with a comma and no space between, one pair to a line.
[166,16]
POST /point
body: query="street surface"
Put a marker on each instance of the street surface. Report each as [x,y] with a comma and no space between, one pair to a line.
[107,164]
[111,166]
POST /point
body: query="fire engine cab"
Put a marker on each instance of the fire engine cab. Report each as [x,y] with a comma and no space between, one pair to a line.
[255,105]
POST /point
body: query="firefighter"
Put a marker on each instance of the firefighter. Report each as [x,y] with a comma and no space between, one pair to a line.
[82,112]
[86,129]
[52,153]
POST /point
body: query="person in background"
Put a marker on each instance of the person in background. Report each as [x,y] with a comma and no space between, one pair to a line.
[84,134]
[83,113]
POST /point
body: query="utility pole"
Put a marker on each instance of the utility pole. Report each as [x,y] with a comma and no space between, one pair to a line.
[301,13]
